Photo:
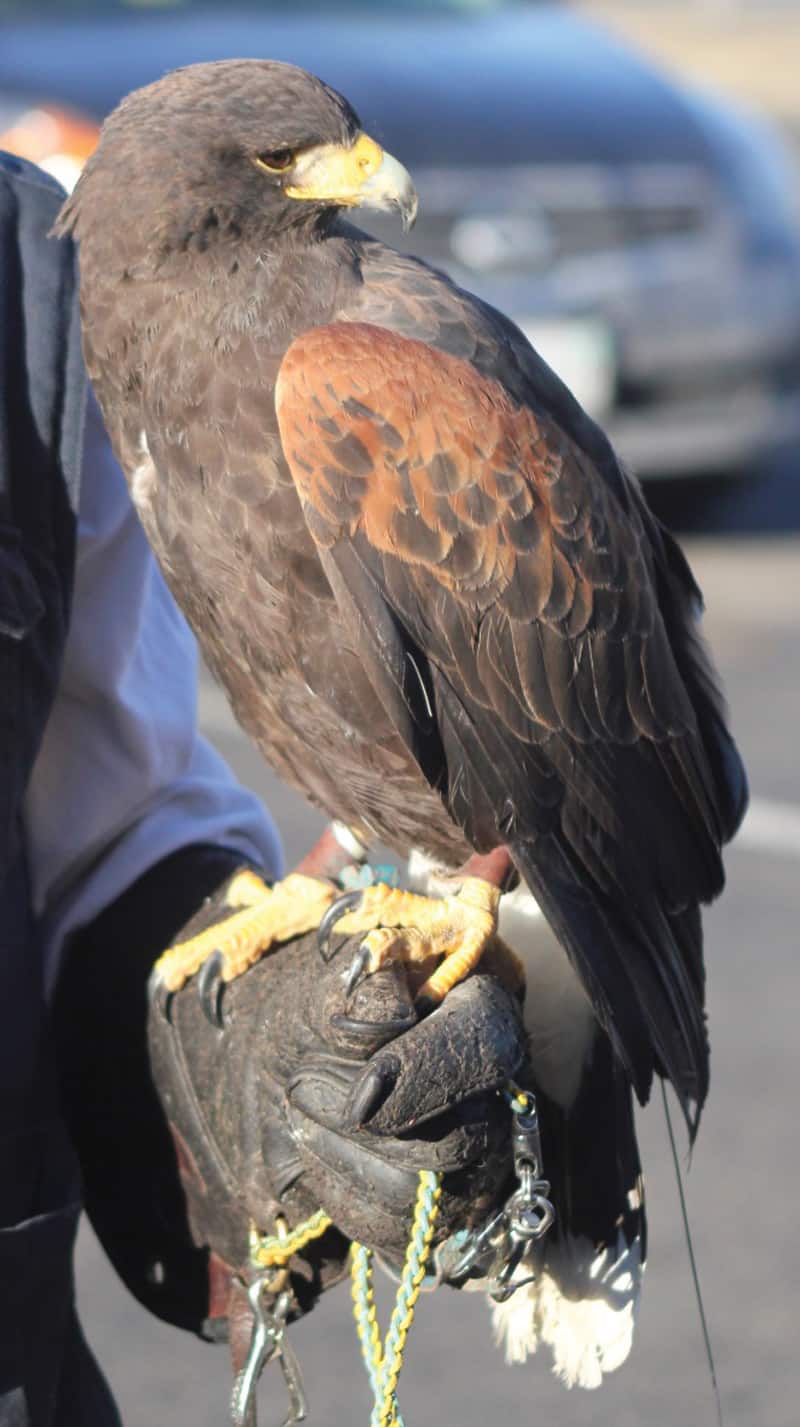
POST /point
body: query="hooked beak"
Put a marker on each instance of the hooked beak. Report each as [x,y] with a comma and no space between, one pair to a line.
[362,176]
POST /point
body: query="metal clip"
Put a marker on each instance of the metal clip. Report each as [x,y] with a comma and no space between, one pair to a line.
[526,1141]
[529,1215]
[268,1341]
[495,1251]
[478,1252]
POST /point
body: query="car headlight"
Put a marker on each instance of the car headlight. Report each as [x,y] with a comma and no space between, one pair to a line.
[58,140]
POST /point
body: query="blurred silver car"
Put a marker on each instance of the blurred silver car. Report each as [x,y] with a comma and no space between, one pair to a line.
[644,237]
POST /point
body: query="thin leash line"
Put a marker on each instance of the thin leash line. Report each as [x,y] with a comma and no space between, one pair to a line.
[365,1313]
[425,1213]
[384,1361]
[692,1260]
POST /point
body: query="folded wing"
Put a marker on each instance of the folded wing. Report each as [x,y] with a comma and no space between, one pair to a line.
[529,630]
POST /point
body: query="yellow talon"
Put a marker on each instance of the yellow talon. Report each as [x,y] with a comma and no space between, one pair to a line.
[261,916]
[246,889]
[416,929]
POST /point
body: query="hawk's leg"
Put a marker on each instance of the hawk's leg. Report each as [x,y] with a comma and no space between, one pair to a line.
[262,916]
[444,936]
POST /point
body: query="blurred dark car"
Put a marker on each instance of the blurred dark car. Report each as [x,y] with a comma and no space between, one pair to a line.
[644,237]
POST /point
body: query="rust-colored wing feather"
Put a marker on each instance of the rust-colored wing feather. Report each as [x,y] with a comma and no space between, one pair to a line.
[509,605]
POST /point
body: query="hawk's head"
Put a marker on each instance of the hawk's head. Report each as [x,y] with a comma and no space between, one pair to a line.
[238,149]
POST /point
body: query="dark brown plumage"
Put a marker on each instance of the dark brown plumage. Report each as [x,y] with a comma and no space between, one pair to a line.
[435,599]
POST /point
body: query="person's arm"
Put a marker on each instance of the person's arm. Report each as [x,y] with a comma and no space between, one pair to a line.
[131,820]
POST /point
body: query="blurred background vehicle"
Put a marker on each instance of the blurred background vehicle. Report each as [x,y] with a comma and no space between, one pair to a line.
[643,235]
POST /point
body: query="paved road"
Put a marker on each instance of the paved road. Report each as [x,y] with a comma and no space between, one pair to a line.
[742,1186]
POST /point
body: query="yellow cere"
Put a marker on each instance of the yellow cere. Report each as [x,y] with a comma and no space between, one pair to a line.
[330,171]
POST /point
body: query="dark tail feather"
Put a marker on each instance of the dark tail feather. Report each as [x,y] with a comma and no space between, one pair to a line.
[637,961]
[681,605]
[592,1158]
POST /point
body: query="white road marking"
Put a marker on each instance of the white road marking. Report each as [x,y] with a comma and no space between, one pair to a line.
[771,826]
[214,712]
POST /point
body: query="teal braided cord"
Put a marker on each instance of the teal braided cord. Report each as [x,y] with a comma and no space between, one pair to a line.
[413,1270]
[364,1309]
[362,1258]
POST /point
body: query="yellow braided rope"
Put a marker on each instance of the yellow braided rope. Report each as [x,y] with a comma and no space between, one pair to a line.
[366,1316]
[518,1099]
[365,1311]
[384,1363]
[275,1250]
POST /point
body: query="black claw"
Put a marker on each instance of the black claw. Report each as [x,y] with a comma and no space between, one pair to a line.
[336,910]
[209,988]
[158,995]
[424,1005]
[370,1093]
[356,968]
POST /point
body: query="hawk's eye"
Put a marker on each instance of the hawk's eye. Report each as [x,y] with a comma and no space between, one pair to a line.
[276,160]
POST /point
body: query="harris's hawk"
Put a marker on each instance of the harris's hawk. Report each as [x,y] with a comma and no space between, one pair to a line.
[436,601]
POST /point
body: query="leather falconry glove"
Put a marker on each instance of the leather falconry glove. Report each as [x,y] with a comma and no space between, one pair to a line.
[303,1098]
[290,1095]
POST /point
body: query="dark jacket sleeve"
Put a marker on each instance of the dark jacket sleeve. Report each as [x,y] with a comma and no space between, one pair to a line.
[43,386]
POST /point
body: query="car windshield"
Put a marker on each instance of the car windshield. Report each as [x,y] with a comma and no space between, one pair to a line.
[65,9]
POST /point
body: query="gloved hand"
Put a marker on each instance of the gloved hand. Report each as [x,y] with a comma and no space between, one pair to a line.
[284,1086]
[306,1098]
